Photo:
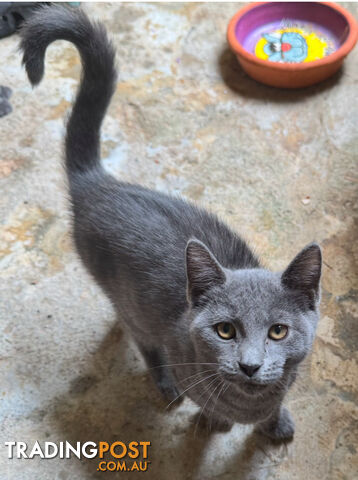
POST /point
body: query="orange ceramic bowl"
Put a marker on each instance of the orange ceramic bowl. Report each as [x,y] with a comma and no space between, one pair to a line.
[281,64]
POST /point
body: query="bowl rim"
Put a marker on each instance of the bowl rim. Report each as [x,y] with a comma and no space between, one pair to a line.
[339,54]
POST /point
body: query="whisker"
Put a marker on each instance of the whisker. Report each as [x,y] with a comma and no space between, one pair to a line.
[181,364]
[206,389]
[215,403]
[203,408]
[191,386]
[196,374]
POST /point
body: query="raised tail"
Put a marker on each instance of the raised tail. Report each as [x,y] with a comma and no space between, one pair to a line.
[52,23]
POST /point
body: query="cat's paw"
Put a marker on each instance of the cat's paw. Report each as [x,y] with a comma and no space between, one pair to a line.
[280,429]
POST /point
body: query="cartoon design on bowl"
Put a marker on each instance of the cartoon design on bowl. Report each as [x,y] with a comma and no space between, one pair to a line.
[285,47]
[293,43]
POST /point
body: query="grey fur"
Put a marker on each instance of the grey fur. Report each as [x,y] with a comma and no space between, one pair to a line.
[174,271]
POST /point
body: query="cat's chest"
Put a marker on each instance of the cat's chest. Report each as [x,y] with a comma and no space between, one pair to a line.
[235,406]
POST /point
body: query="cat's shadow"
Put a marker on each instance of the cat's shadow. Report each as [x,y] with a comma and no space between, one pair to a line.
[115,399]
[239,82]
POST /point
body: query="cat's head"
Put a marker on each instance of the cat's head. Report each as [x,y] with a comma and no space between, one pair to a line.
[252,323]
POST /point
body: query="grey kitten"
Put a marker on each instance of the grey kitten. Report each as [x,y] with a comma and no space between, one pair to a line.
[210,322]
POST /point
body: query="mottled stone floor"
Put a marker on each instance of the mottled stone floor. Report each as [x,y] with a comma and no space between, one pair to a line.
[279,166]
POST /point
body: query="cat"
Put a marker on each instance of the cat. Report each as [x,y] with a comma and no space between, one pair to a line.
[211,323]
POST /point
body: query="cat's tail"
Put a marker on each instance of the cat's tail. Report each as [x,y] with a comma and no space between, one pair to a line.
[50,23]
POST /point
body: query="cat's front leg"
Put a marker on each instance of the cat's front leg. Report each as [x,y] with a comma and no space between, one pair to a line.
[279,426]
[156,361]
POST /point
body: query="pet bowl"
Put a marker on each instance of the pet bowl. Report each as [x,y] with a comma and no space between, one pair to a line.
[292,44]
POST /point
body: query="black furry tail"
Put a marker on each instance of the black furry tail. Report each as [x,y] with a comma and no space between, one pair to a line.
[52,23]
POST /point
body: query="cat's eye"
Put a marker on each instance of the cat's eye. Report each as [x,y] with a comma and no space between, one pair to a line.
[225,330]
[278,332]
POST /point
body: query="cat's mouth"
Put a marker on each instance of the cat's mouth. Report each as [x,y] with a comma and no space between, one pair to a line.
[247,386]
[252,387]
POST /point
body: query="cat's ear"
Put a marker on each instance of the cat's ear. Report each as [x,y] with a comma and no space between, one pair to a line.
[304,272]
[202,269]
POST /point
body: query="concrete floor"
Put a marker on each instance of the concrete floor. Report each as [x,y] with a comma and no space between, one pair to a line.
[279,166]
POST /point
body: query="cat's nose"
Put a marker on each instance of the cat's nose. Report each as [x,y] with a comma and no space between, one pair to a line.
[249,370]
